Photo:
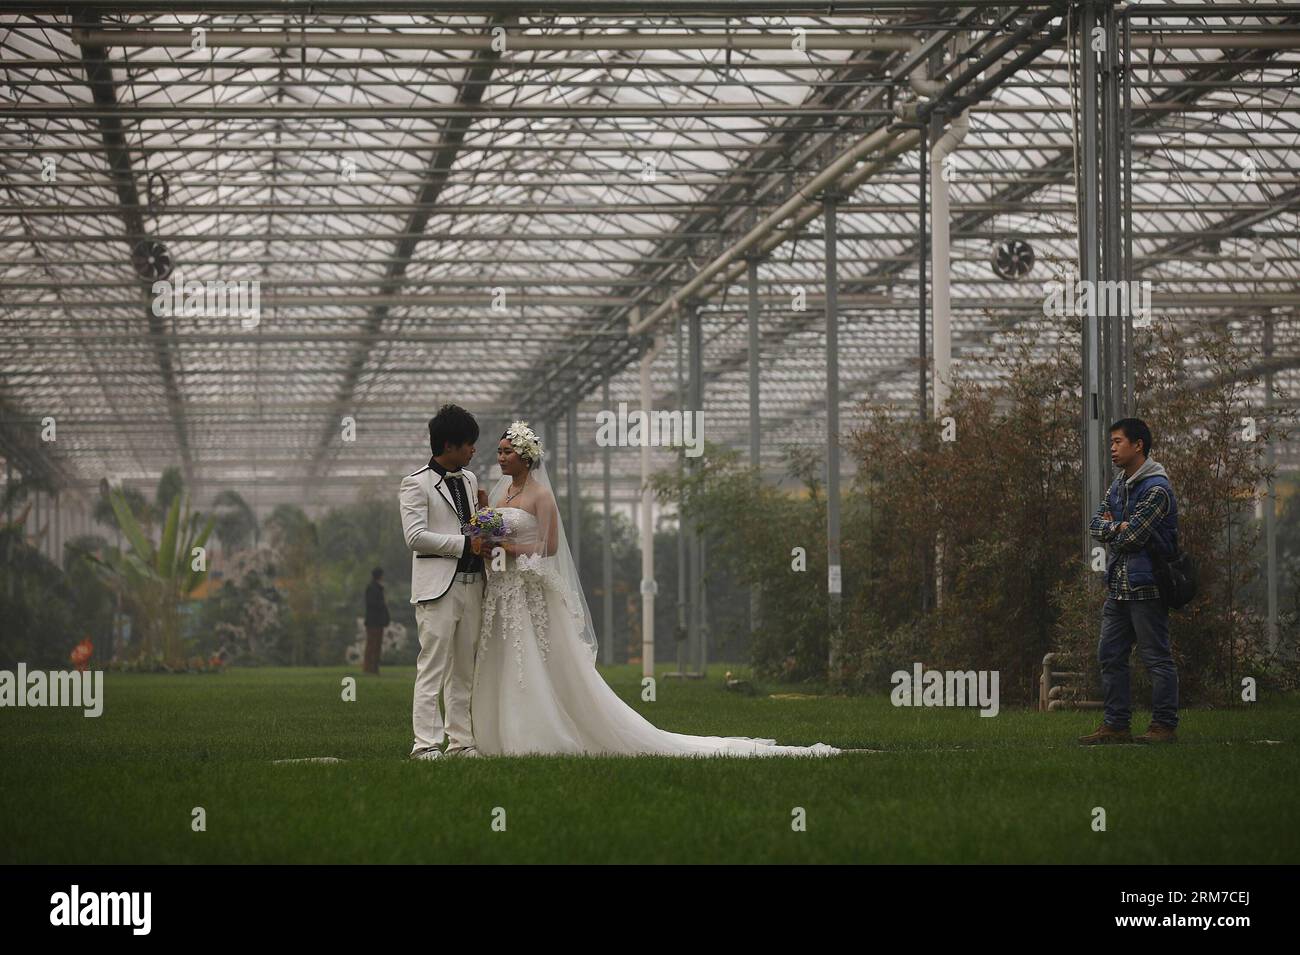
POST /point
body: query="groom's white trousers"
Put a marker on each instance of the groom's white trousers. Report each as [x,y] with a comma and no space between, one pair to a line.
[449,632]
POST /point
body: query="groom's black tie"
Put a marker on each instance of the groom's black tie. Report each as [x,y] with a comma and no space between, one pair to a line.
[469,561]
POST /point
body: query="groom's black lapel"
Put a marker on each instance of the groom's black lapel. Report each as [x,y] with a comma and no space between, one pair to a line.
[444,493]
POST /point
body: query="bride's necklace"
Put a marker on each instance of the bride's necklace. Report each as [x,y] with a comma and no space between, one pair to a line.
[510,497]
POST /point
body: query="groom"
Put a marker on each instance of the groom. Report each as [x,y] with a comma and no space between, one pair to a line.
[446,584]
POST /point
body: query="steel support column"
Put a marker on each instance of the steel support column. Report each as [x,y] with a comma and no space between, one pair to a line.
[607,547]
[697,635]
[1127,271]
[922,256]
[649,587]
[833,575]
[551,447]
[1111,262]
[755,421]
[1094,445]
[684,603]
[572,488]
[1270,497]
[9,520]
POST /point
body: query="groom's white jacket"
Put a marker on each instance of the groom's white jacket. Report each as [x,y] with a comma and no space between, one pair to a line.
[431,526]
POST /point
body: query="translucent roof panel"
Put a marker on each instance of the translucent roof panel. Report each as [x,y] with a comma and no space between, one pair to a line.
[409,204]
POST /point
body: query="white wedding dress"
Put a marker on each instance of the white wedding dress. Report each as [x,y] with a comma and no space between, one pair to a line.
[536,687]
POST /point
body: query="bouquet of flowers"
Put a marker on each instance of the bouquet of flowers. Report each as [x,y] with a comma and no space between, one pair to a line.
[488,524]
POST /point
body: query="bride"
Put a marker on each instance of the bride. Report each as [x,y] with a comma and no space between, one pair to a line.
[536,688]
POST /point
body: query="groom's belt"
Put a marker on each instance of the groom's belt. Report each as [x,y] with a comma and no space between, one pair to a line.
[469,576]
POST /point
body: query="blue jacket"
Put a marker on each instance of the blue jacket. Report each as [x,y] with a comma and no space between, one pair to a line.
[1123,500]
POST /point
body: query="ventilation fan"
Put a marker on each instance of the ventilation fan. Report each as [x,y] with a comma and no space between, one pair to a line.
[1013,259]
[151,259]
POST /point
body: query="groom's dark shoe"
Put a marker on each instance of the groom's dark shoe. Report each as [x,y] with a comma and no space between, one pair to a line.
[1105,733]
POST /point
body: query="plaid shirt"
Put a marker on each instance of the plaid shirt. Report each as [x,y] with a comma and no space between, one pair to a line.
[1128,540]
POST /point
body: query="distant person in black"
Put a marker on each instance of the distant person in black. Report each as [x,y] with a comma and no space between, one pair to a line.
[376,620]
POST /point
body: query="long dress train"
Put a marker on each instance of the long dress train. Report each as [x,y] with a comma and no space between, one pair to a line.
[537,690]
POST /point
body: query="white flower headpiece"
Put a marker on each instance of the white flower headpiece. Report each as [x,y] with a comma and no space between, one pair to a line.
[525,441]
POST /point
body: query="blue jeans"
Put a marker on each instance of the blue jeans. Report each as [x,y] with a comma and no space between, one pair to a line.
[1147,622]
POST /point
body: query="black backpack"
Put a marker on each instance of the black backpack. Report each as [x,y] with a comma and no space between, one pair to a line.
[1176,577]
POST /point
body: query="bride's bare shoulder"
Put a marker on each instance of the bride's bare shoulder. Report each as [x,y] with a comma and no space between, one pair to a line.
[538,497]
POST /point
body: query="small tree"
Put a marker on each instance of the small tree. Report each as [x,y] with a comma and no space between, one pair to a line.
[154,579]
[973,521]
[765,538]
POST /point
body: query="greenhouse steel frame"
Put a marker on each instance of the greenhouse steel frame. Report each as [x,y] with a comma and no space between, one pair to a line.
[714,206]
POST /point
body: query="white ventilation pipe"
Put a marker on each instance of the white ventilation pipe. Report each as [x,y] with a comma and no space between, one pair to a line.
[805,204]
[649,587]
[940,261]
[503,41]
[800,208]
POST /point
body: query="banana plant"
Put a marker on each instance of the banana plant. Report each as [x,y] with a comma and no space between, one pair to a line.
[156,579]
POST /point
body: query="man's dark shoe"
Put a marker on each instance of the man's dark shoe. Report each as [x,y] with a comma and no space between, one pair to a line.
[1105,733]
[1157,733]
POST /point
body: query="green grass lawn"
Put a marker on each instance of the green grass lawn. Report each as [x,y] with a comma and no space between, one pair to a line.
[949,786]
